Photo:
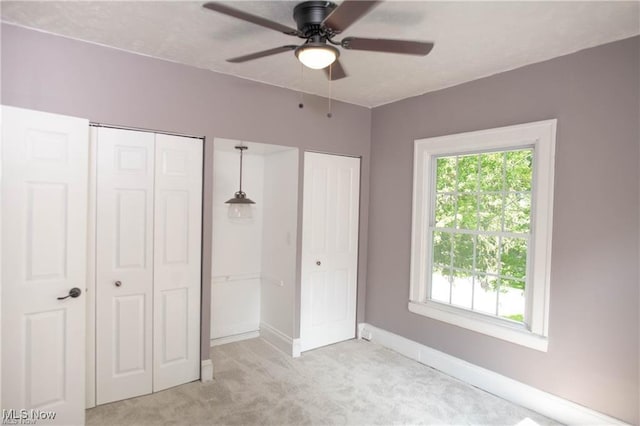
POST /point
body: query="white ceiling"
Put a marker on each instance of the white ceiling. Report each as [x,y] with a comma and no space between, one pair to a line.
[472,39]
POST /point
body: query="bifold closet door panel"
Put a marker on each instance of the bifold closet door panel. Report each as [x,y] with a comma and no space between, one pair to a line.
[177,260]
[124,264]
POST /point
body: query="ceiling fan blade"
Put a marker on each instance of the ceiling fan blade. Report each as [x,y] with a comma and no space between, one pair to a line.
[407,47]
[347,13]
[258,20]
[337,72]
[261,54]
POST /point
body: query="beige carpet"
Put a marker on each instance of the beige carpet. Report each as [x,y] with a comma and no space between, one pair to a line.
[350,383]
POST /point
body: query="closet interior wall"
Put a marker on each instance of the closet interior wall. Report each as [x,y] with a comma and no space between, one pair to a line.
[254,260]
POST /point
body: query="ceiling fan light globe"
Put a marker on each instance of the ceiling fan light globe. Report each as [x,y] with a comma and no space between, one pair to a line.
[317,56]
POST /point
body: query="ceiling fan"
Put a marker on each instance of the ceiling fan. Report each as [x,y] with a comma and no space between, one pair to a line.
[318,23]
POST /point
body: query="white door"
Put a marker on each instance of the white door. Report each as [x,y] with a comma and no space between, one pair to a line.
[329,249]
[177,260]
[44,218]
[124,264]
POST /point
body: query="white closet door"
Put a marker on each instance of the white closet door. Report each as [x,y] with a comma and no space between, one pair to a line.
[177,248]
[124,264]
[44,218]
[329,249]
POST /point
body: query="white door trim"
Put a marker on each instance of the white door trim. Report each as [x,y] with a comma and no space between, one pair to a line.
[91,270]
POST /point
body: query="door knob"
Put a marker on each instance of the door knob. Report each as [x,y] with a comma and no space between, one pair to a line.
[73,293]
[318,263]
[118,283]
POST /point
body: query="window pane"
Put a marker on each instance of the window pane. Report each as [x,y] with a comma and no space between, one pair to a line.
[511,304]
[487,254]
[511,283]
[440,285]
[490,212]
[519,170]
[485,193]
[463,251]
[446,174]
[485,294]
[514,257]
[517,212]
[461,289]
[467,212]
[441,248]
[491,166]
[445,211]
[468,173]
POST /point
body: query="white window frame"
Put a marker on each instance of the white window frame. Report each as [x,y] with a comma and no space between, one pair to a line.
[541,136]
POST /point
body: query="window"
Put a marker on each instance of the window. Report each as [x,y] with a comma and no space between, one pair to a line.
[482,230]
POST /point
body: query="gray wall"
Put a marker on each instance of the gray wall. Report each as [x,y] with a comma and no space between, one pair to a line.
[593,335]
[593,350]
[60,75]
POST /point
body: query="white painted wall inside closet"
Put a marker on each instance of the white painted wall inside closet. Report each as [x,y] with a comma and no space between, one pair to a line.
[254,260]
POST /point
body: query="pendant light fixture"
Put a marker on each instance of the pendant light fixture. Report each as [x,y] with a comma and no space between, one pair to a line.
[240,205]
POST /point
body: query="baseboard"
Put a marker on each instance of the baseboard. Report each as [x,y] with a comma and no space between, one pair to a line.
[280,340]
[206,370]
[234,338]
[361,329]
[235,328]
[296,349]
[527,396]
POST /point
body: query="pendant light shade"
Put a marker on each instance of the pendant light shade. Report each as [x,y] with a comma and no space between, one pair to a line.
[240,205]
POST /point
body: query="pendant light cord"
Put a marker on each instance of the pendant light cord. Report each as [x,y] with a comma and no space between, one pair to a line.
[241,150]
[301,92]
[330,81]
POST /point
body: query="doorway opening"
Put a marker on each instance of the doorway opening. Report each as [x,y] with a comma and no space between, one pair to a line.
[253,286]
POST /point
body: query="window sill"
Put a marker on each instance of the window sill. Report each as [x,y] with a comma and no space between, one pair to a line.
[481,324]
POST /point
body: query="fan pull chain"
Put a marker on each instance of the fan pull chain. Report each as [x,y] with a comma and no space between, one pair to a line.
[330,82]
[301,91]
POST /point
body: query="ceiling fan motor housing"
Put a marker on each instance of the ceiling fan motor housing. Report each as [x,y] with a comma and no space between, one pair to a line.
[309,16]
